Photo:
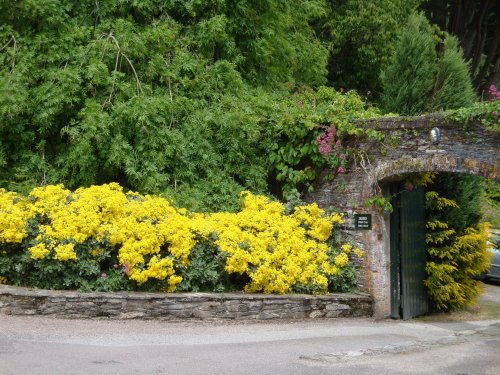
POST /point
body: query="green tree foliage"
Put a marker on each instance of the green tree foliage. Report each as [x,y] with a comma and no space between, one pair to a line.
[453,88]
[409,79]
[276,40]
[490,202]
[162,96]
[456,239]
[419,80]
[361,36]
[466,191]
[454,256]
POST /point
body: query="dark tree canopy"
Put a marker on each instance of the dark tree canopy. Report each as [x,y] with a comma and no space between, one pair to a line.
[476,23]
[361,36]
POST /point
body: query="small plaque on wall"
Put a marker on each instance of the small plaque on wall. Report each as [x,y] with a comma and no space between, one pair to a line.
[363,221]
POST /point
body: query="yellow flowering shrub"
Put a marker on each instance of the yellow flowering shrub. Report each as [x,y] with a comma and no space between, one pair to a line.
[107,233]
[277,251]
[149,233]
[13,216]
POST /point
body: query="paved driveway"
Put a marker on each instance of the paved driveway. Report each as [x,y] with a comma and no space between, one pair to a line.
[434,345]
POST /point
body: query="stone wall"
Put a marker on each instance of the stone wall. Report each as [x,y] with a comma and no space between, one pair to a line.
[407,149]
[234,306]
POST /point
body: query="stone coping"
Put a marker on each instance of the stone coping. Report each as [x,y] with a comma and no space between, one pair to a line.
[180,306]
[408,122]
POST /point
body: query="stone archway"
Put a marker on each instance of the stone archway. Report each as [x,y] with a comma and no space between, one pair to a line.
[409,149]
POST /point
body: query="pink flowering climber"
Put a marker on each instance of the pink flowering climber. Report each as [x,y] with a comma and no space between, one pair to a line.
[495,95]
[325,140]
[325,148]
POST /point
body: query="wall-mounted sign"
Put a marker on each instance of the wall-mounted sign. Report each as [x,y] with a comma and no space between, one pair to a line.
[363,221]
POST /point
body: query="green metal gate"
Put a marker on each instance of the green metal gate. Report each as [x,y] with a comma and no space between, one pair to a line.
[408,253]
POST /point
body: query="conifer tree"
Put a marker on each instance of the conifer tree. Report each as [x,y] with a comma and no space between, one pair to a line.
[455,255]
[409,79]
[453,88]
[466,191]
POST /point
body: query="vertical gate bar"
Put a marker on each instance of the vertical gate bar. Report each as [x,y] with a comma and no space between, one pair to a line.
[413,253]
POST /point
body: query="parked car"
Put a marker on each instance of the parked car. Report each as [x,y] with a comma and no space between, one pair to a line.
[494,271]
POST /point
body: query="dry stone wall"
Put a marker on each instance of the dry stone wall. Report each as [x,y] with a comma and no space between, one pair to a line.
[179,306]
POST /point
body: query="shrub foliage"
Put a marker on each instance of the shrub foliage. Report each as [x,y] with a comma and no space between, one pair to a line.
[103,238]
[455,254]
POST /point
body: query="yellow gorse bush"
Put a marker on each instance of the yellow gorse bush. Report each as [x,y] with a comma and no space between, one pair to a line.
[154,239]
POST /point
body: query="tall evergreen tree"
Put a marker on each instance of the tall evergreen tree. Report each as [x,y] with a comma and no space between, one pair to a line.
[453,88]
[409,79]
[455,255]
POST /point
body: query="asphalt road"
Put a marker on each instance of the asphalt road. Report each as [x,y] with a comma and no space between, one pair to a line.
[38,345]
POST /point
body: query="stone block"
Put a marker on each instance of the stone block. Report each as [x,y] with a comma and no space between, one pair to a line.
[317,314]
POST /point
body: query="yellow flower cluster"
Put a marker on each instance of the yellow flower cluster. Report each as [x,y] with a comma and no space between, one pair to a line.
[153,238]
[151,235]
[13,216]
[277,251]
